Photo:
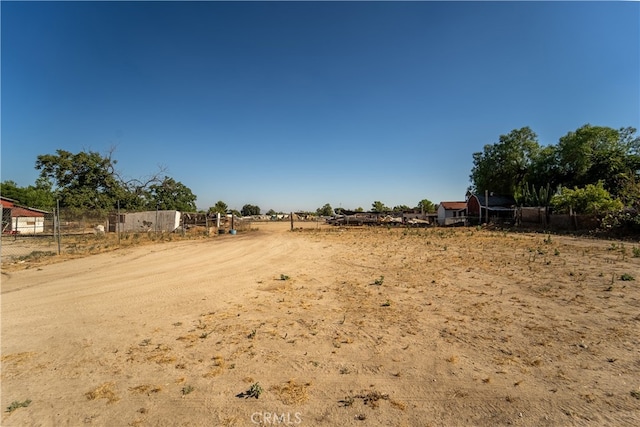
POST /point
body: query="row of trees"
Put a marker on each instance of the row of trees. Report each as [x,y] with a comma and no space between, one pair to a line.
[424,205]
[90,181]
[594,163]
[221,207]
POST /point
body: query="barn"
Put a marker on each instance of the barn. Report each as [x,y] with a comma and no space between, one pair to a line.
[20,219]
[494,206]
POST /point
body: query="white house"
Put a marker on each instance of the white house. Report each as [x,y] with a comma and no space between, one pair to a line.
[450,213]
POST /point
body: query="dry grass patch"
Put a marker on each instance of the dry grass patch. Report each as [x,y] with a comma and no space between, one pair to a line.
[219,364]
[17,358]
[292,392]
[105,391]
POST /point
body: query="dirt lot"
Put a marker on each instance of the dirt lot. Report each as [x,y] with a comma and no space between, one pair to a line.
[328,326]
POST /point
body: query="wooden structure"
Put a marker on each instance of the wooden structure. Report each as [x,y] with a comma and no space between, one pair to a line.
[490,207]
[20,219]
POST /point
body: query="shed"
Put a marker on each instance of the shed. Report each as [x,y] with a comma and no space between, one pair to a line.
[20,219]
[450,213]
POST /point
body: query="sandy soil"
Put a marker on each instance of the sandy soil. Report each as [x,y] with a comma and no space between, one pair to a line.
[336,327]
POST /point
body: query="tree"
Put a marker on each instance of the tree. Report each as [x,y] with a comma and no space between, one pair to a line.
[378,206]
[271,212]
[426,206]
[86,180]
[248,210]
[401,208]
[502,167]
[171,195]
[220,207]
[545,169]
[596,153]
[326,210]
[591,199]
[359,209]
[39,196]
[89,180]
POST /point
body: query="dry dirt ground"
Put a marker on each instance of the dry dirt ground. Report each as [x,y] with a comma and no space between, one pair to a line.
[328,327]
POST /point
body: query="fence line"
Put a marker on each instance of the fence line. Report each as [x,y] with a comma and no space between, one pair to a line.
[67,232]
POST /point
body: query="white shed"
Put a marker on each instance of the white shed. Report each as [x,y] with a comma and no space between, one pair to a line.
[452,213]
[21,220]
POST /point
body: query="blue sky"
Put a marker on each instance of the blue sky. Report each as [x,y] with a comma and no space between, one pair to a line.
[291,105]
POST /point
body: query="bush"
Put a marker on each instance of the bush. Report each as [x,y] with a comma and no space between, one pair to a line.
[623,221]
[592,199]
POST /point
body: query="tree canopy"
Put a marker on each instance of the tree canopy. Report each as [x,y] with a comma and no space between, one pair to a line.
[518,166]
[502,167]
[426,206]
[248,210]
[89,180]
[220,207]
[170,194]
[37,196]
[592,199]
[378,206]
[325,210]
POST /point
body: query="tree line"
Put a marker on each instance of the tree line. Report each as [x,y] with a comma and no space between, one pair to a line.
[91,181]
[592,169]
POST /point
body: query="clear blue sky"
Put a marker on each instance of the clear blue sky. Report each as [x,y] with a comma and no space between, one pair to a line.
[291,105]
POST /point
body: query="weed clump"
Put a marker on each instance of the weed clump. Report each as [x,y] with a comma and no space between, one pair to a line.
[16,404]
[254,391]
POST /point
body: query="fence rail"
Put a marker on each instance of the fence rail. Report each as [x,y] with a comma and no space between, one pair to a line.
[62,232]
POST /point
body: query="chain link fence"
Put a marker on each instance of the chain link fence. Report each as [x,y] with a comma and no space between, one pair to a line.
[29,235]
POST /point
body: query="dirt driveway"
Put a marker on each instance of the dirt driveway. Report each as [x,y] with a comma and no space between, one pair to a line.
[328,326]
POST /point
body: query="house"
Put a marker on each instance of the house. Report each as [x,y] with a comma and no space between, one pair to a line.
[450,213]
[21,220]
[495,207]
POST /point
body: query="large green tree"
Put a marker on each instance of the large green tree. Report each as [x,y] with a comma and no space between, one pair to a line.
[84,180]
[248,210]
[171,195]
[426,206]
[325,210]
[378,206]
[598,153]
[502,167]
[220,207]
[517,165]
[89,180]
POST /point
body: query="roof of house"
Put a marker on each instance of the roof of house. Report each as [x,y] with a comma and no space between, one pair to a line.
[455,206]
[7,203]
[18,212]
